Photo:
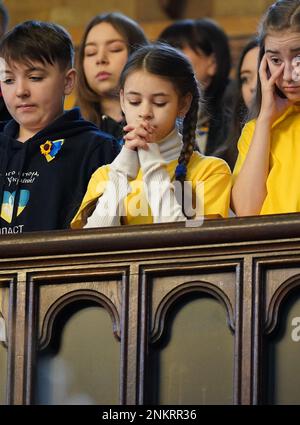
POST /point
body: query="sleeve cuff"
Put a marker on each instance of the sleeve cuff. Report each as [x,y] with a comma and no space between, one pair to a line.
[127,163]
[150,157]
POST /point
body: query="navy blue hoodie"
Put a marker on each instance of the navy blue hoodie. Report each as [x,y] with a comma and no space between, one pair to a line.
[38,194]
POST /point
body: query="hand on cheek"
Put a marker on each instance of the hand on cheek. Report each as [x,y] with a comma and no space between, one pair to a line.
[272,105]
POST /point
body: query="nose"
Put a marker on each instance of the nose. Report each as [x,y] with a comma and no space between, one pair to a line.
[253,86]
[22,90]
[253,83]
[287,72]
[146,112]
[102,57]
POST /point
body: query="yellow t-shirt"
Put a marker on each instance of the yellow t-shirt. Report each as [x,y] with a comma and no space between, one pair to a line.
[213,172]
[283,194]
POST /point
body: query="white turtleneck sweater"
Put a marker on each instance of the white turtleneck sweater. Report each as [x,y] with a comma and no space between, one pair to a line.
[138,188]
[157,185]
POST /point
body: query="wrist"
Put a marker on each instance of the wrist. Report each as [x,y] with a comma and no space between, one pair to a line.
[265,119]
[130,145]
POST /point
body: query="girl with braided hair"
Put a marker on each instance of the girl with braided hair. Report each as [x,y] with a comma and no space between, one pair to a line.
[158,87]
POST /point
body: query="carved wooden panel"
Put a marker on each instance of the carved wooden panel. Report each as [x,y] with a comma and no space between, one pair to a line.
[51,292]
[277,284]
[166,284]
[7,334]
[148,279]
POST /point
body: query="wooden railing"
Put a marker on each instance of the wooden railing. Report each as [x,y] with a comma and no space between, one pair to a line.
[143,277]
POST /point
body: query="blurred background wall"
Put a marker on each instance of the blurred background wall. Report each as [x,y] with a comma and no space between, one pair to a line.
[237,17]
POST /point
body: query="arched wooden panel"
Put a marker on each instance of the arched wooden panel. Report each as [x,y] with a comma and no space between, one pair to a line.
[7,333]
[276,278]
[272,310]
[192,362]
[181,290]
[74,296]
[282,350]
[81,365]
[54,297]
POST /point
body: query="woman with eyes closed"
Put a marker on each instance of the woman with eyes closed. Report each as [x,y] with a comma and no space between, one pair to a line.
[266,174]
[106,44]
[157,172]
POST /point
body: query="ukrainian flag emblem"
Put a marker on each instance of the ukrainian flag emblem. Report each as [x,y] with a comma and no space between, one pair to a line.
[9,201]
[50,149]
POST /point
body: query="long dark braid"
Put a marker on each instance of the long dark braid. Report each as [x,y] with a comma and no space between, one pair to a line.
[188,138]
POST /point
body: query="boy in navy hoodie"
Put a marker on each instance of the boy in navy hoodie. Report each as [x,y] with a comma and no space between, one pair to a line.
[47,156]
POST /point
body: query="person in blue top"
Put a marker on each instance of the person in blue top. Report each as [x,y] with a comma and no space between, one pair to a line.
[47,156]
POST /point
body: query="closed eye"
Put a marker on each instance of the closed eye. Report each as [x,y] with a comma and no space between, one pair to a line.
[36,78]
[117,50]
[89,53]
[134,102]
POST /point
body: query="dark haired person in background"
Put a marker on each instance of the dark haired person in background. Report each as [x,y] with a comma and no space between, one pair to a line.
[244,90]
[207,47]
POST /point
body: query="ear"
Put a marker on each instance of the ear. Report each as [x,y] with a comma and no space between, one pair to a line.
[184,105]
[212,65]
[70,79]
[122,100]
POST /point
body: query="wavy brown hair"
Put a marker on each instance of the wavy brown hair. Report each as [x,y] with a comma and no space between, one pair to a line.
[89,101]
[283,15]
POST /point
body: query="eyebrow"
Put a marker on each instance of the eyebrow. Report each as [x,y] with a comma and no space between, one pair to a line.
[35,68]
[154,94]
[295,49]
[94,43]
[29,69]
